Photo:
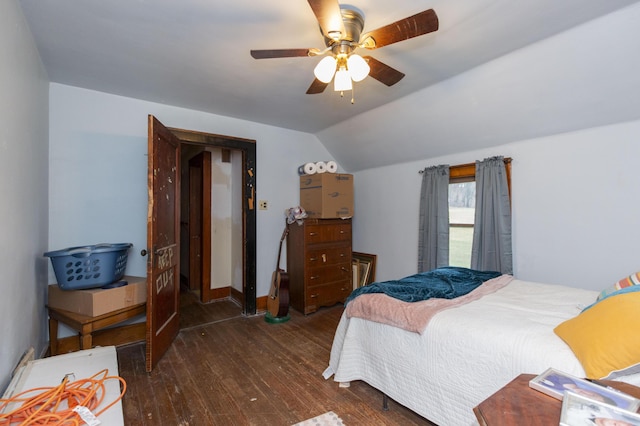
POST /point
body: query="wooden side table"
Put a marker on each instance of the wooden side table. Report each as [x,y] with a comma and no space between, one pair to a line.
[516,404]
[86,324]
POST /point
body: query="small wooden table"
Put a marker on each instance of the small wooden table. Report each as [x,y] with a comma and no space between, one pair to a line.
[516,404]
[86,324]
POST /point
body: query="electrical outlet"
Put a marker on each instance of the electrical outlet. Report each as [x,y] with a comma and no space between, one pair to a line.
[262,204]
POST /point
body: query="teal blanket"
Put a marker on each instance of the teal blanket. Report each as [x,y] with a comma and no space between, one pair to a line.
[447,282]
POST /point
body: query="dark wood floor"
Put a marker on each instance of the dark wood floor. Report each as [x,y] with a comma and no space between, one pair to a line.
[227,369]
[196,314]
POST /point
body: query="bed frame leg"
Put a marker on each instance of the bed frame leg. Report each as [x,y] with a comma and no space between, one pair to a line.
[385,402]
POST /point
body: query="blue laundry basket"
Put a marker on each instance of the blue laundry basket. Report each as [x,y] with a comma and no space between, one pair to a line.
[84,267]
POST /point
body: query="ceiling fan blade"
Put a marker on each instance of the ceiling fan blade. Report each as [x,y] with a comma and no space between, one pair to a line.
[329,17]
[280,53]
[316,87]
[383,72]
[404,29]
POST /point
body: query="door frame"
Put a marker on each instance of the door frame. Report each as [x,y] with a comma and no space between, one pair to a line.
[249,205]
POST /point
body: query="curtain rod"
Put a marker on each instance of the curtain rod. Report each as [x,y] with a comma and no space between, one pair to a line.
[506,160]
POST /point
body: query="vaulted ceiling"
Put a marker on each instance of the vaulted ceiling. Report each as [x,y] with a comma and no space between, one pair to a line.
[195,54]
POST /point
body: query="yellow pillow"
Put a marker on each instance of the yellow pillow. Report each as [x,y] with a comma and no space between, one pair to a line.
[605,338]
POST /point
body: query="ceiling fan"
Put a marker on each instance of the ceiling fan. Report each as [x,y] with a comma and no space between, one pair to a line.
[341,26]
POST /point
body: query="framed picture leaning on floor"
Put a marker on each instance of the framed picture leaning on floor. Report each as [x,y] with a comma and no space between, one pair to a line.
[366,268]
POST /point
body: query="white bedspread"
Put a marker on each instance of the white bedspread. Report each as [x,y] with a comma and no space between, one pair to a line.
[466,354]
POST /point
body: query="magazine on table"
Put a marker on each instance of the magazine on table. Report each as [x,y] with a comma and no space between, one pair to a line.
[579,410]
[555,383]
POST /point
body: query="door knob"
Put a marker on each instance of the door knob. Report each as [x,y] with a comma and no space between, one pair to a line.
[143,252]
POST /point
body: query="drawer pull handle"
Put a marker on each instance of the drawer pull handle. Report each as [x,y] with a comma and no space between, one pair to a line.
[313,234]
[313,259]
[342,255]
[344,269]
[341,231]
[313,296]
[314,277]
[343,289]
[324,257]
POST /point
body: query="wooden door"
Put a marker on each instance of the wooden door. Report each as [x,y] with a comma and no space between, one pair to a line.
[200,224]
[163,241]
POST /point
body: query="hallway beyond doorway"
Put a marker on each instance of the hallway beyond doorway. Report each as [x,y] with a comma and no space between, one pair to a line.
[194,313]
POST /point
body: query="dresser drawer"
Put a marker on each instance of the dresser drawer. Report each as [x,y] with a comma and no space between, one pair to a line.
[328,256]
[326,295]
[316,234]
[329,273]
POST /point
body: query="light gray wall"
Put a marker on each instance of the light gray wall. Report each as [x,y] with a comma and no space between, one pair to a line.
[574,204]
[23,187]
[98,171]
[581,78]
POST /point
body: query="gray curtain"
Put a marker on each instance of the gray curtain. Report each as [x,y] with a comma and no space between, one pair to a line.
[491,249]
[433,232]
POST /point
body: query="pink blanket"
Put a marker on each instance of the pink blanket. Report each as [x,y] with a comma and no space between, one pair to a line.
[414,316]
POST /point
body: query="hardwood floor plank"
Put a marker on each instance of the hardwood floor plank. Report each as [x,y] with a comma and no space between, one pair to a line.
[127,359]
[197,387]
[179,392]
[236,370]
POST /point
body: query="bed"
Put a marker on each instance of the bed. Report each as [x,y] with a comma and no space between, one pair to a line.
[468,351]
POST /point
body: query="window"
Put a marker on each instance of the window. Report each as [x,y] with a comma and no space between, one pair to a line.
[462,203]
[462,209]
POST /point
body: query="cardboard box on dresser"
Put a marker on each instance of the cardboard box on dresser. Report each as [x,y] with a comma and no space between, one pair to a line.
[327,195]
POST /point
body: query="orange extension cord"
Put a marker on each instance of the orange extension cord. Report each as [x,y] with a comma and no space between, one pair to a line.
[46,405]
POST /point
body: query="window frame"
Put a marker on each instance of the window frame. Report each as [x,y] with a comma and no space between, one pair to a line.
[467,173]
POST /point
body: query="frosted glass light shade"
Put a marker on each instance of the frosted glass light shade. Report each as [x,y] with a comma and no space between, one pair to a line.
[325,69]
[342,81]
[358,67]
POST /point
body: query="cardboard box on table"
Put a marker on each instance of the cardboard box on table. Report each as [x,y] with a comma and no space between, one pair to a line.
[96,301]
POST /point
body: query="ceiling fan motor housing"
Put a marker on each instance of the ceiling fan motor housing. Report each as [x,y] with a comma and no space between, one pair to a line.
[353,25]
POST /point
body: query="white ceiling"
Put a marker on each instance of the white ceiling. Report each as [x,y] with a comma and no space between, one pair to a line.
[195,53]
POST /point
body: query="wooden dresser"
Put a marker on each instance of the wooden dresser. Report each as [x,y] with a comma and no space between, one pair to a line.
[319,263]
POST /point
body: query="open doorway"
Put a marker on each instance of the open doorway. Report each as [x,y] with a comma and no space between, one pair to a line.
[217,225]
[211,222]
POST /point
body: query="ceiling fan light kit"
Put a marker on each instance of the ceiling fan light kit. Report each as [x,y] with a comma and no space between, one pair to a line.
[342,28]
[342,81]
[345,68]
[358,67]
[325,69]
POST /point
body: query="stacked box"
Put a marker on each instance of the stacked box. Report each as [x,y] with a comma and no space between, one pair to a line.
[327,195]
